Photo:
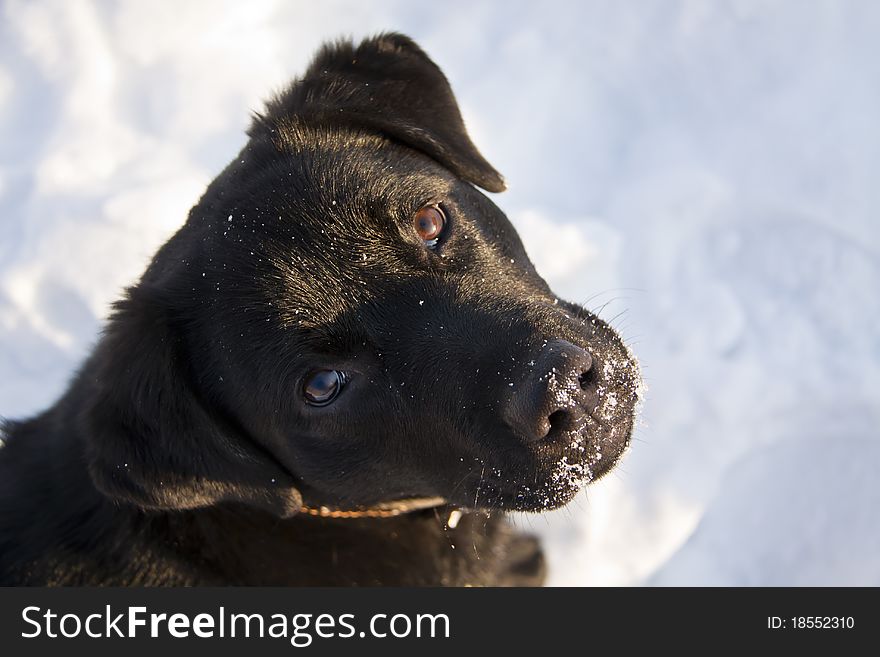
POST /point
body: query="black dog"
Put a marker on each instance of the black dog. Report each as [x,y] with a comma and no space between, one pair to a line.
[341,368]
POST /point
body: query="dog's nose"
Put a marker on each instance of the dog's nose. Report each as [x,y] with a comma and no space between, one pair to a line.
[558,390]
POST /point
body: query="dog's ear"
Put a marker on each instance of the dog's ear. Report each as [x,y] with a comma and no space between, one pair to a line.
[152,441]
[387,85]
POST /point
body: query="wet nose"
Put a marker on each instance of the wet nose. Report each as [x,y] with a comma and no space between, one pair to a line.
[558,389]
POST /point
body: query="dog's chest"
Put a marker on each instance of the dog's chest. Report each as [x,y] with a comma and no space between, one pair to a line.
[414,550]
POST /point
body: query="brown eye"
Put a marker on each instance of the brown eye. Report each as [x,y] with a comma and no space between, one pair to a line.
[429,223]
[323,386]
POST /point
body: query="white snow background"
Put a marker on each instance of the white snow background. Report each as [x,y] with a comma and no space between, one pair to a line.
[709,170]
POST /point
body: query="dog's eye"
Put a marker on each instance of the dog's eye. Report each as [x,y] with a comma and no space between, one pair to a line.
[429,223]
[323,386]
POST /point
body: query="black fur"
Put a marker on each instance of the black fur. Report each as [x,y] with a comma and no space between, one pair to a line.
[183,451]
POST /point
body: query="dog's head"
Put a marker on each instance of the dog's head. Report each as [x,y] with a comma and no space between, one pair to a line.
[346,320]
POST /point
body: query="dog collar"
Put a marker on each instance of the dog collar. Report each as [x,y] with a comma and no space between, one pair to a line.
[383,510]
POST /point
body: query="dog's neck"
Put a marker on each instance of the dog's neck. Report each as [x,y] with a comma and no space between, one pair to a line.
[83,537]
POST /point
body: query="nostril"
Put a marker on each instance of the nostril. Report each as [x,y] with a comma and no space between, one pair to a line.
[586,379]
[560,421]
[551,426]
[556,419]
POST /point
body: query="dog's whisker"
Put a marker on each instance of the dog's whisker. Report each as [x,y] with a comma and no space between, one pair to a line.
[598,311]
[617,316]
[614,290]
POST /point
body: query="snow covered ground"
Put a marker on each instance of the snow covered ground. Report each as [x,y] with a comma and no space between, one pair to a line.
[712,167]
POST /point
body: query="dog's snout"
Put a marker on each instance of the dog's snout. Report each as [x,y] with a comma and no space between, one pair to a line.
[558,389]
